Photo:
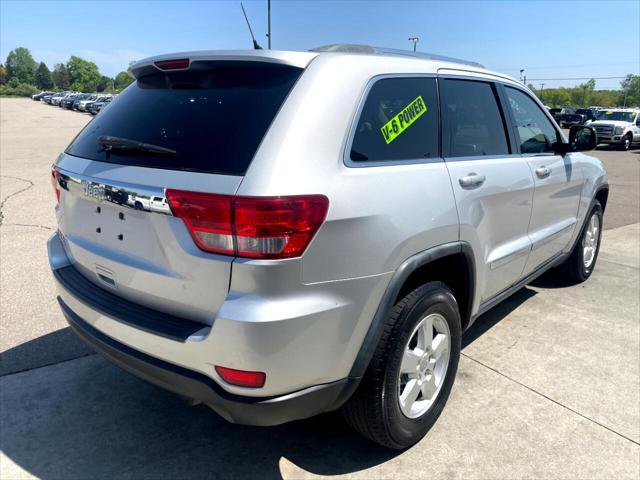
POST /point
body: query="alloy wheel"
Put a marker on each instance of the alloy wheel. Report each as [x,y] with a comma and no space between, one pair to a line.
[590,241]
[424,365]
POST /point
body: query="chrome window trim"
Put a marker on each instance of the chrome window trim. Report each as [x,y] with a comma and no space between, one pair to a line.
[481,157]
[346,154]
[473,76]
[101,191]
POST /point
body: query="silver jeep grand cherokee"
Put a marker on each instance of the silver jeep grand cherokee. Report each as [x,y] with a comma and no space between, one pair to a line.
[280,234]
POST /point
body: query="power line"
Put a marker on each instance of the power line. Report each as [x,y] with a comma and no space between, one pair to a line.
[578,78]
[574,66]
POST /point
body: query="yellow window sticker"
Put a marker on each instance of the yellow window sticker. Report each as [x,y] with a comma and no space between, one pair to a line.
[403,120]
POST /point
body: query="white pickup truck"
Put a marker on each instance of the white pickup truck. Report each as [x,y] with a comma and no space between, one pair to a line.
[620,127]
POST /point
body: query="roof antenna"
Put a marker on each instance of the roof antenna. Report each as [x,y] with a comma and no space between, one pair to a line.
[255,44]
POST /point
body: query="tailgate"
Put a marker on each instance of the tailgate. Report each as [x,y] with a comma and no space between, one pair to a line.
[123,237]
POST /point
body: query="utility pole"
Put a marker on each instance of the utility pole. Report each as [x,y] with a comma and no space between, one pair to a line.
[541,90]
[624,104]
[415,41]
[269,23]
[521,78]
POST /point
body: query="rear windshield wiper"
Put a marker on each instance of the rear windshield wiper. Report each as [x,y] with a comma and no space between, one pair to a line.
[126,145]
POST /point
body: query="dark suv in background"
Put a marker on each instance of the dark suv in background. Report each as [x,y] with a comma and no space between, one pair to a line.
[579,117]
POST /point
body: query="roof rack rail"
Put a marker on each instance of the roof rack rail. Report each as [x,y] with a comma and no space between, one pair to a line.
[368,49]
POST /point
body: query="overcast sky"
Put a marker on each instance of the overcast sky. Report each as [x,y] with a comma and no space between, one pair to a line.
[549,39]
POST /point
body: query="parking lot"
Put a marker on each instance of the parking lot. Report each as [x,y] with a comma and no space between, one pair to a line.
[548,385]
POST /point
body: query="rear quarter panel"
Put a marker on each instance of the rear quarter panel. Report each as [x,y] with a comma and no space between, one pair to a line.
[378,216]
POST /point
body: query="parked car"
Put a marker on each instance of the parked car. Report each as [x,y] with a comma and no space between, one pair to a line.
[56,97]
[589,114]
[618,127]
[563,111]
[317,252]
[82,105]
[67,102]
[38,96]
[555,113]
[66,97]
[580,117]
[98,105]
[80,98]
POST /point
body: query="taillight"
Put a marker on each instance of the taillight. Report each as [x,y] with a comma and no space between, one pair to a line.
[54,182]
[208,218]
[253,227]
[277,227]
[176,64]
[241,378]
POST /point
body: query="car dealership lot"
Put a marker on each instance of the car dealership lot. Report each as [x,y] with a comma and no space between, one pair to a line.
[548,384]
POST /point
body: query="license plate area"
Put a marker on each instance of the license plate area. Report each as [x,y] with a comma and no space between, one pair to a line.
[119,228]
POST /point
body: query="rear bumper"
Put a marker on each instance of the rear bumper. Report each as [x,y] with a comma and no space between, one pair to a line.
[303,355]
[260,411]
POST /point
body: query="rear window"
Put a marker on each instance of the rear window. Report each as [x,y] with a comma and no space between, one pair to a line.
[399,121]
[213,116]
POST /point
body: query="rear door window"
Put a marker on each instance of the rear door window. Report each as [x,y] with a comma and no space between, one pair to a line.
[398,121]
[212,116]
[472,122]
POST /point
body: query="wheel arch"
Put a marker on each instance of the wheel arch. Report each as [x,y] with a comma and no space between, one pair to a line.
[602,195]
[433,264]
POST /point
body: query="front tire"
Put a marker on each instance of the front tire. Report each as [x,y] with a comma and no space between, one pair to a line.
[412,370]
[579,266]
[626,142]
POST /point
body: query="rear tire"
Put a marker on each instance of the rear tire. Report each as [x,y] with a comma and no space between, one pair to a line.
[406,362]
[579,266]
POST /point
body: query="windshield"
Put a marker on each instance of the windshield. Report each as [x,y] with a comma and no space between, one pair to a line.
[214,118]
[619,116]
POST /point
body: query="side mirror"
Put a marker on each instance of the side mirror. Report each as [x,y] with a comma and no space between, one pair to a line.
[581,139]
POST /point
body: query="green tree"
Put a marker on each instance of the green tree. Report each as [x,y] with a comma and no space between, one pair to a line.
[104,83]
[60,76]
[84,75]
[630,94]
[43,78]
[122,80]
[3,75]
[20,66]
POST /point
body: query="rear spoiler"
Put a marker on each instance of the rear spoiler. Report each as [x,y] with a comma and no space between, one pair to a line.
[187,60]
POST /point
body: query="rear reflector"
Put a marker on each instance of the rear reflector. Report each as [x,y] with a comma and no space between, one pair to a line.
[253,227]
[177,64]
[242,378]
[54,182]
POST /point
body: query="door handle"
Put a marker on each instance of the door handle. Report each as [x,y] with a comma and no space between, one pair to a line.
[472,180]
[543,172]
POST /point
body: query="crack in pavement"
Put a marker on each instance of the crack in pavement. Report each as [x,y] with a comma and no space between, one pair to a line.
[549,398]
[31,184]
[27,225]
